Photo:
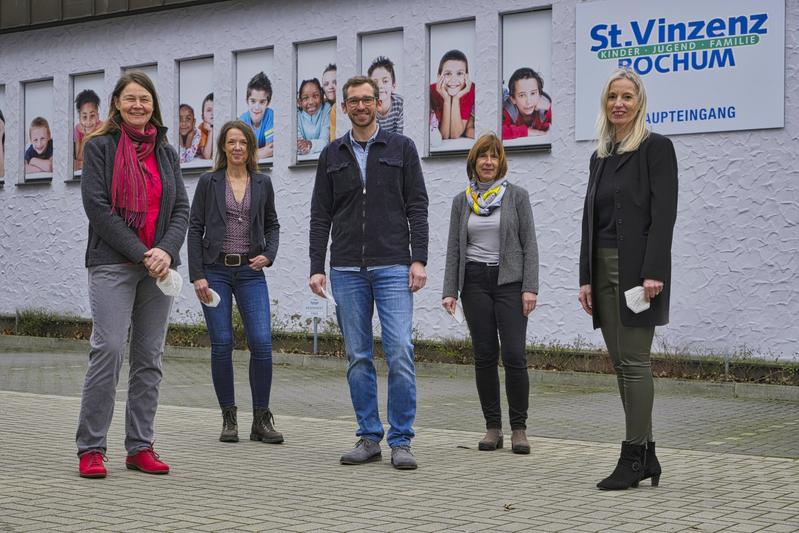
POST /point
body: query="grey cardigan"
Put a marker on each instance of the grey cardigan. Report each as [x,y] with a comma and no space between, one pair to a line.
[518,248]
[111,241]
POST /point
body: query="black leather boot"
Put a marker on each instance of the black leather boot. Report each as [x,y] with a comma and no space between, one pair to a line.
[263,427]
[629,470]
[652,465]
[230,427]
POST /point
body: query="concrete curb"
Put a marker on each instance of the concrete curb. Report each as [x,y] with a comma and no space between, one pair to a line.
[755,391]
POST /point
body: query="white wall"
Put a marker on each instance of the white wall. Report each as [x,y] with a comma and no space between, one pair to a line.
[736,240]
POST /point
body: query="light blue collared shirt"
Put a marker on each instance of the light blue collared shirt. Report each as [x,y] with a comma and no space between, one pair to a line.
[361,153]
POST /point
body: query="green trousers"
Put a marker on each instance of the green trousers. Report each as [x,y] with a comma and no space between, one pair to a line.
[629,349]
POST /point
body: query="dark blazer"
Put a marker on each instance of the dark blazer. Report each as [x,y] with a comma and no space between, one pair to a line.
[518,248]
[646,205]
[207,223]
[111,240]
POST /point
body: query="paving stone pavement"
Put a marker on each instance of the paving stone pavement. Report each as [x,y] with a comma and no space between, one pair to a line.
[299,486]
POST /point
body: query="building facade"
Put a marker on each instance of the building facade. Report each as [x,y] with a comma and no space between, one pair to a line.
[735,244]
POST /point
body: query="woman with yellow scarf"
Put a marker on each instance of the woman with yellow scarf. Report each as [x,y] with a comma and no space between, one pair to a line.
[492,264]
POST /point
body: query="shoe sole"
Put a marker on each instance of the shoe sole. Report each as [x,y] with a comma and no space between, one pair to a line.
[405,467]
[267,440]
[522,450]
[228,439]
[93,476]
[155,472]
[372,459]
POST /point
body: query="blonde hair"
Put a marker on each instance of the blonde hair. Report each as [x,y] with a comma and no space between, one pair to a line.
[606,131]
[486,143]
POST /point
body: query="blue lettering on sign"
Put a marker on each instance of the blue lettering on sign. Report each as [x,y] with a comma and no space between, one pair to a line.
[696,60]
[691,115]
[660,29]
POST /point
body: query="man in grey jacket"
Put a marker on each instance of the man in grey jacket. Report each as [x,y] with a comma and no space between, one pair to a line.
[370,192]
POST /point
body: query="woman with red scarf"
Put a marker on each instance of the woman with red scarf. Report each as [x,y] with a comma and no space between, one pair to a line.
[138,213]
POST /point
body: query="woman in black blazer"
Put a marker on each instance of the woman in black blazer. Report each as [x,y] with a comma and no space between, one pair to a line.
[233,236]
[628,220]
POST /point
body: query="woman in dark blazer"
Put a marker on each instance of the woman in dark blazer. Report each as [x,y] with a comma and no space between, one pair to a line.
[492,260]
[628,220]
[233,236]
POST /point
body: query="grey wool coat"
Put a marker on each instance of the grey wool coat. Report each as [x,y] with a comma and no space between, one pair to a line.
[111,241]
[518,248]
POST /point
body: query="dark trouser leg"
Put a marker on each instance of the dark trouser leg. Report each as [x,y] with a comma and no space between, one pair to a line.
[629,349]
[220,330]
[252,297]
[512,325]
[478,308]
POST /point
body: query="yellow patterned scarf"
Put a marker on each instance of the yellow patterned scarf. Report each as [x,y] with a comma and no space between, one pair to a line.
[483,203]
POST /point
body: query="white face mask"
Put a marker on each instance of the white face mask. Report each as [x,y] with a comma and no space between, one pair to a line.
[171,284]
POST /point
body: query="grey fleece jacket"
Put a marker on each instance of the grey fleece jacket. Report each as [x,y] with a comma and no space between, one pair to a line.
[518,248]
[111,241]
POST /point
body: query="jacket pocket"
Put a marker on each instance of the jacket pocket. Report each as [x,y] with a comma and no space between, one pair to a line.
[345,178]
[389,174]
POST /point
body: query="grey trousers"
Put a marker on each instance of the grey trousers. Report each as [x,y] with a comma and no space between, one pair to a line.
[123,298]
[629,349]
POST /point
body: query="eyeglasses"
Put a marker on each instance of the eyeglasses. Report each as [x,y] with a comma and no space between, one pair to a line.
[367,101]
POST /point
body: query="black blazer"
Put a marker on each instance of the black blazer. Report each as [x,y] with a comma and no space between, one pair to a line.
[646,205]
[207,224]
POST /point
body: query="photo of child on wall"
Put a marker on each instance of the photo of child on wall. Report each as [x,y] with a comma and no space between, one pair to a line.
[316,87]
[259,116]
[452,97]
[195,113]
[313,118]
[87,104]
[329,87]
[525,116]
[527,110]
[189,134]
[39,153]
[390,108]
[205,149]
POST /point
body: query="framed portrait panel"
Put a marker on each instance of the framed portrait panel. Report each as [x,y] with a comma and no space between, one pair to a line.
[38,151]
[2,133]
[315,97]
[451,95]
[254,92]
[382,60]
[195,137]
[89,110]
[151,71]
[527,103]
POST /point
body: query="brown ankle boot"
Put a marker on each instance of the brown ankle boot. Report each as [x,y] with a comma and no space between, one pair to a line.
[230,427]
[518,441]
[491,441]
[263,427]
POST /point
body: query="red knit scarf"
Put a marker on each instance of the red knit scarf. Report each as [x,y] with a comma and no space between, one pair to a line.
[129,181]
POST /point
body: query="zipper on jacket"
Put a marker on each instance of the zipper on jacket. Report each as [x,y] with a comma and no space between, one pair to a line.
[363,225]
[363,205]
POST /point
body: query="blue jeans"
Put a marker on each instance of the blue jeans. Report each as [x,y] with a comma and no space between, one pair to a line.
[357,293]
[252,297]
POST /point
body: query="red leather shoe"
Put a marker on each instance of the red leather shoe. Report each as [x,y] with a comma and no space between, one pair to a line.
[91,464]
[147,461]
